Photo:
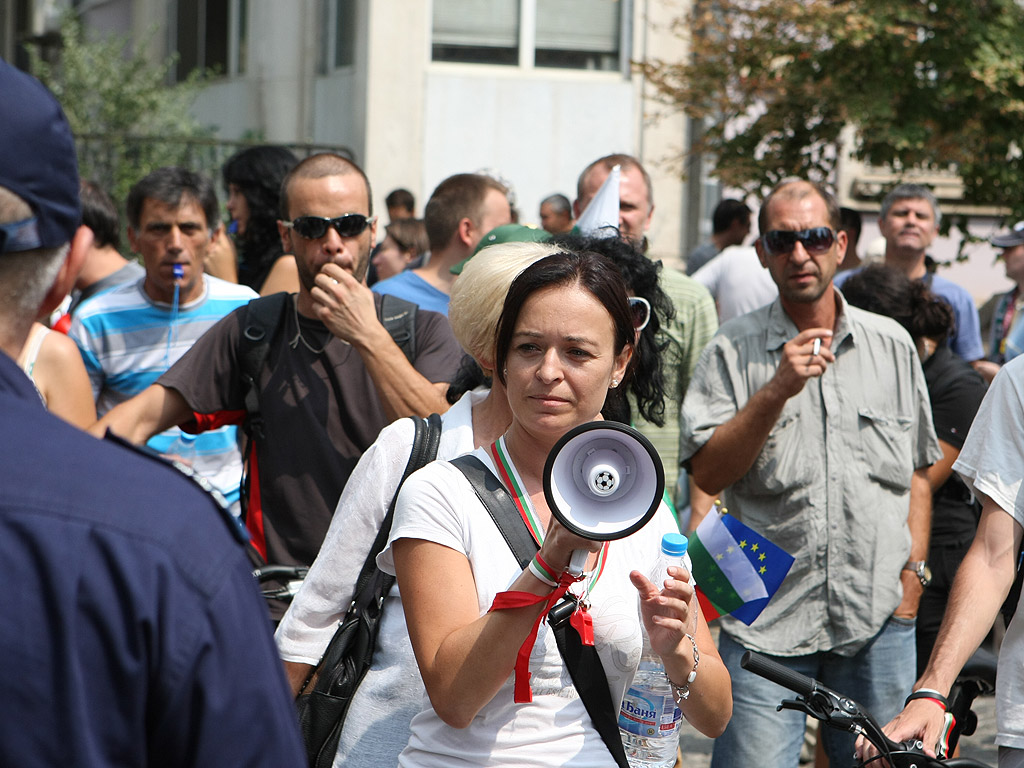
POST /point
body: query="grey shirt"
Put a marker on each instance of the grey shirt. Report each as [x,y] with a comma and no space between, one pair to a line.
[831,485]
[700,256]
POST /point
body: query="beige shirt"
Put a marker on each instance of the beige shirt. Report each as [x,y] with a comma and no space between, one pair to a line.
[831,485]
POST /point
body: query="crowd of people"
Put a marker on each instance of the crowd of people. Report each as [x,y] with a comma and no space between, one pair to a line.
[845,414]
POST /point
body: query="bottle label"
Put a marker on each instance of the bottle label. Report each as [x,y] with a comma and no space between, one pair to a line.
[648,714]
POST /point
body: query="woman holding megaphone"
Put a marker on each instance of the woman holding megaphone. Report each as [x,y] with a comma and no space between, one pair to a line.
[565,338]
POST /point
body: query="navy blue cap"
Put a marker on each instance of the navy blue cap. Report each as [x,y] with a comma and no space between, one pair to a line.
[37,163]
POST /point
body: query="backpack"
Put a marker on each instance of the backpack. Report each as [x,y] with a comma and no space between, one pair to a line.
[266,315]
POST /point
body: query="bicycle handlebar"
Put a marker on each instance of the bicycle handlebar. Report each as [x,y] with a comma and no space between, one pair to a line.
[778,674]
[840,712]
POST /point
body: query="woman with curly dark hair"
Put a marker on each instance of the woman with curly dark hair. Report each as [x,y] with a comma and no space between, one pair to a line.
[646,391]
[252,178]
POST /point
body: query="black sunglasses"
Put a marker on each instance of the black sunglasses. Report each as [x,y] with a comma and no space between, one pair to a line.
[816,240]
[315,227]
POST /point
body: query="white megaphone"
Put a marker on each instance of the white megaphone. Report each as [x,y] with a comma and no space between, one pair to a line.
[602,481]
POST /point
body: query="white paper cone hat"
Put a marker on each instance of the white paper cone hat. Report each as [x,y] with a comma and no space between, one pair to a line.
[601,217]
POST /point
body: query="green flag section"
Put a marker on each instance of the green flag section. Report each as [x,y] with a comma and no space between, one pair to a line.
[737,570]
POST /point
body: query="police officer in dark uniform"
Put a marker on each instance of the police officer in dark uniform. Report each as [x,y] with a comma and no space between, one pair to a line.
[131,631]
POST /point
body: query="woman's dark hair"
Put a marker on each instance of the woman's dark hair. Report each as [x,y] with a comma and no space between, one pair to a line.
[468,377]
[258,173]
[642,278]
[885,291]
[590,271]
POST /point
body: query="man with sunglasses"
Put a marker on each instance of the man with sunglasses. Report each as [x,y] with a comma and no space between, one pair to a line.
[332,377]
[811,420]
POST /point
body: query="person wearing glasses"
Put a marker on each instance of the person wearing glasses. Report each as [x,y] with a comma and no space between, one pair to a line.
[333,376]
[462,209]
[811,420]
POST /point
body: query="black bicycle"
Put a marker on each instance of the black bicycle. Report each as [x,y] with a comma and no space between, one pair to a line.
[280,582]
[844,714]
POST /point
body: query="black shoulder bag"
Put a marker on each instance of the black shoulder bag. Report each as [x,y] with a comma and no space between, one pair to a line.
[325,698]
[581,660]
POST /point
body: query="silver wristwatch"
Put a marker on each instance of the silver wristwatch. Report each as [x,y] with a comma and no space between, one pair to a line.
[920,567]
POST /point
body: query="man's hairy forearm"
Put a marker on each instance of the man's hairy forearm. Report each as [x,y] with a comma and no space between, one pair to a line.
[732,449]
[403,390]
[982,582]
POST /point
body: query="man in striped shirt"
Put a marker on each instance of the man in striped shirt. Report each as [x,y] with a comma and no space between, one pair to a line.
[132,333]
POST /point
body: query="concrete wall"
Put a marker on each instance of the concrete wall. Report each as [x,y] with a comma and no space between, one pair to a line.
[538,129]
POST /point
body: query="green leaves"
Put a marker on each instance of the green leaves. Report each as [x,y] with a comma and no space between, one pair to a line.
[924,85]
[126,116]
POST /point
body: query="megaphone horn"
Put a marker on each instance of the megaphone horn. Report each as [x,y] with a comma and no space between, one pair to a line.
[602,481]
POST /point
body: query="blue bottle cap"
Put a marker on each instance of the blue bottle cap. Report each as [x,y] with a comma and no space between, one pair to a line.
[187,437]
[674,544]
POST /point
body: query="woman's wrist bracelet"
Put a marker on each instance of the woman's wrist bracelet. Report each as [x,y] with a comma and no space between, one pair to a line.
[542,571]
[682,692]
[930,694]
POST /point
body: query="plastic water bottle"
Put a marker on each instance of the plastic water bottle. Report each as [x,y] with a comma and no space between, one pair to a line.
[183,449]
[649,718]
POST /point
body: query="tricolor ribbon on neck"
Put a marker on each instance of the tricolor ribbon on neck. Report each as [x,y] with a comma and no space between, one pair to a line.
[580,621]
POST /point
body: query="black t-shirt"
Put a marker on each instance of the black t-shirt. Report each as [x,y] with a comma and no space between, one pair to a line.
[321,411]
[956,391]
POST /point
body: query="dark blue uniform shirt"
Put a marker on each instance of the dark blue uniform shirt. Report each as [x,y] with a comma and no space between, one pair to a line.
[131,631]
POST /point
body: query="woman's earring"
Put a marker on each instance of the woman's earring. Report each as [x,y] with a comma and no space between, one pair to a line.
[615,383]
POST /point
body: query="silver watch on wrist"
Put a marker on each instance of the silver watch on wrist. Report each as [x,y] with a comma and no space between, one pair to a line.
[921,569]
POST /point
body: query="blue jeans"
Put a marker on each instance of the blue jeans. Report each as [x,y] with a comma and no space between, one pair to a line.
[878,677]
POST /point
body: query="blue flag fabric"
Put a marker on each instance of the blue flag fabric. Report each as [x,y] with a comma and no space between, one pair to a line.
[771,562]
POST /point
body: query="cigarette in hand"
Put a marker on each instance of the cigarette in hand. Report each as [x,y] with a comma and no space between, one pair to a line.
[816,348]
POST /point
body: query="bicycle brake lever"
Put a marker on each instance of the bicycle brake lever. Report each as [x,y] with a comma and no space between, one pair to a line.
[800,705]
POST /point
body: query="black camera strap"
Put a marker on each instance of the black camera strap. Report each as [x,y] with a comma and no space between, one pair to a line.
[581,660]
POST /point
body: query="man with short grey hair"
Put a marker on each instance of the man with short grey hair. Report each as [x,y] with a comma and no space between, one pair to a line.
[134,633]
[909,221]
[556,214]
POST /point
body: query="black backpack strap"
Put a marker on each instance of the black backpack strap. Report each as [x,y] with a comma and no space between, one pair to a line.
[424,451]
[398,316]
[581,660]
[263,318]
[499,506]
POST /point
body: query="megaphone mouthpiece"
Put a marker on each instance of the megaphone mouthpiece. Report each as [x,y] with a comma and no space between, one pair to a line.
[603,480]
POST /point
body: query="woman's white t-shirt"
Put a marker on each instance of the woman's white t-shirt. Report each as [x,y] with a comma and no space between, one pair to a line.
[437,504]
